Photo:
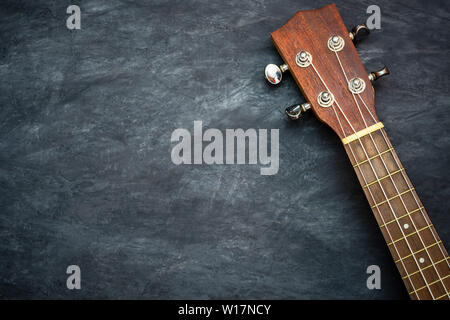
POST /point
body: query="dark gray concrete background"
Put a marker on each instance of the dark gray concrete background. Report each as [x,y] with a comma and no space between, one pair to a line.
[86,176]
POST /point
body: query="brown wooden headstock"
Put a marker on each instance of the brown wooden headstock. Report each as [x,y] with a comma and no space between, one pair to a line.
[321,57]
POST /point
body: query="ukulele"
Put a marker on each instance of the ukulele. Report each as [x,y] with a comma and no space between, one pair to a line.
[320,54]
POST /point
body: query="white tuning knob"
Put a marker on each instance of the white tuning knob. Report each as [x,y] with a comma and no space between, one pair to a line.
[274,73]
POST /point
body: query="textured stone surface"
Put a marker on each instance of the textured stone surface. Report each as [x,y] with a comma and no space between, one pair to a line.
[86,176]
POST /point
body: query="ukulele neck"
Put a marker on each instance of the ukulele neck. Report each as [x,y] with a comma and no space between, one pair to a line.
[416,248]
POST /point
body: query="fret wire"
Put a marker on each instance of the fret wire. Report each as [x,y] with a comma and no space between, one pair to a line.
[429,266]
[392,198]
[431,283]
[387,170]
[382,218]
[411,234]
[438,298]
[378,180]
[403,203]
[373,157]
[418,251]
[402,216]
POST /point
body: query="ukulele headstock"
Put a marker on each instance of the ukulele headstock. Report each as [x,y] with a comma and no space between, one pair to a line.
[319,52]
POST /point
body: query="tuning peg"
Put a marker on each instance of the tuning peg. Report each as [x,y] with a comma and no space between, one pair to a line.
[375,75]
[274,73]
[295,111]
[359,31]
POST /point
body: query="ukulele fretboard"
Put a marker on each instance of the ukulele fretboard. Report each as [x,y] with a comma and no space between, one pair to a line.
[417,250]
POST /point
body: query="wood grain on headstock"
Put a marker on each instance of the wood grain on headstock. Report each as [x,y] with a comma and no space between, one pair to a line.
[310,30]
